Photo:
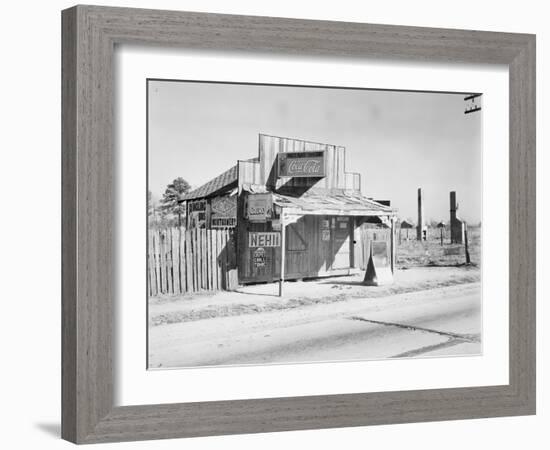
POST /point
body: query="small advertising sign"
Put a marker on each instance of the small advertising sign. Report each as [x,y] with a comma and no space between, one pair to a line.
[301,164]
[325,234]
[223,222]
[258,257]
[224,207]
[223,212]
[264,239]
[259,207]
[197,205]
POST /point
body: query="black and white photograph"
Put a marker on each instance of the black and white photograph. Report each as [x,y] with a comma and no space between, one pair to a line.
[275,225]
[309,224]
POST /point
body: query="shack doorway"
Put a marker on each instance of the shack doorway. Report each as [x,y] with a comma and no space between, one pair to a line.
[340,242]
[318,245]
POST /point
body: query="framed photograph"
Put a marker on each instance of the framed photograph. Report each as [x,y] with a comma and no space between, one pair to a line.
[279,224]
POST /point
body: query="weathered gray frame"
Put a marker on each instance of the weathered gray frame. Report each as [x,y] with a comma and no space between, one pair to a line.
[89,36]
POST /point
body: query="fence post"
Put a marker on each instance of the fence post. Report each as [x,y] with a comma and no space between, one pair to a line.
[176,259]
[181,246]
[210,260]
[204,276]
[189,262]
[197,249]
[219,249]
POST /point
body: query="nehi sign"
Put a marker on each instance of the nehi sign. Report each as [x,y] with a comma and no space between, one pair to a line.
[264,239]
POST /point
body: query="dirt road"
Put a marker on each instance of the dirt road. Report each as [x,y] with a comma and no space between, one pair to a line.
[442,321]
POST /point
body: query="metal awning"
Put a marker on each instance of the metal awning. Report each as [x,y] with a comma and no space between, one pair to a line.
[332,204]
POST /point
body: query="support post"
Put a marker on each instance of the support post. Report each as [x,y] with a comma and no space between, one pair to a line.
[392,244]
[283,251]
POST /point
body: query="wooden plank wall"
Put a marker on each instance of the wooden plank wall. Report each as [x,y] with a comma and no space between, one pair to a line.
[248,173]
[316,259]
[336,175]
[180,261]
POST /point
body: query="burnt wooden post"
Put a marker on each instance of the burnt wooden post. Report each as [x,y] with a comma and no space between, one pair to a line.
[466,250]
[283,234]
[457,225]
[420,226]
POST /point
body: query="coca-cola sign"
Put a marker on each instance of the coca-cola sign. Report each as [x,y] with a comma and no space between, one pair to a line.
[302,164]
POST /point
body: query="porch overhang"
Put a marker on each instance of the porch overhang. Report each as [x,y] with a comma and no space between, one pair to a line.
[332,204]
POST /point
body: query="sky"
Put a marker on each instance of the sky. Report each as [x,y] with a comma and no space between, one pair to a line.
[398,141]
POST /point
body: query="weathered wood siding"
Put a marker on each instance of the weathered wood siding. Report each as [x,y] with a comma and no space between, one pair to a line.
[335,163]
[264,171]
[307,253]
[248,173]
[321,257]
[180,261]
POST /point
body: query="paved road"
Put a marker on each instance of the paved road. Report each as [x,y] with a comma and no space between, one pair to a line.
[445,321]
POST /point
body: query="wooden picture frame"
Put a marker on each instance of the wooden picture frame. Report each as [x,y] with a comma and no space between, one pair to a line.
[89,37]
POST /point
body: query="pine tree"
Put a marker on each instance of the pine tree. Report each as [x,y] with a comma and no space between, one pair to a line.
[170,199]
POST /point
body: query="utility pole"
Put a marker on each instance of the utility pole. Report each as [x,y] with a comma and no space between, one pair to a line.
[473,105]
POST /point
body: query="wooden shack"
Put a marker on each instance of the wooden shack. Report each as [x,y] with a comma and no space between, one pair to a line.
[295,195]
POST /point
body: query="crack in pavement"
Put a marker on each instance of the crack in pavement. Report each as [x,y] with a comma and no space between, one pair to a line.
[457,336]
[429,348]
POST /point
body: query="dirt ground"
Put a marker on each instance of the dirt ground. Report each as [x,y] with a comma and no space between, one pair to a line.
[442,321]
[413,253]
[297,294]
[431,309]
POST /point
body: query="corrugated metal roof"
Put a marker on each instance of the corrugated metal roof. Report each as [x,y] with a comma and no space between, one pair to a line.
[224,180]
[345,204]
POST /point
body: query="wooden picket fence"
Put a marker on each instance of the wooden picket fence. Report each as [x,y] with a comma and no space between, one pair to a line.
[180,261]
